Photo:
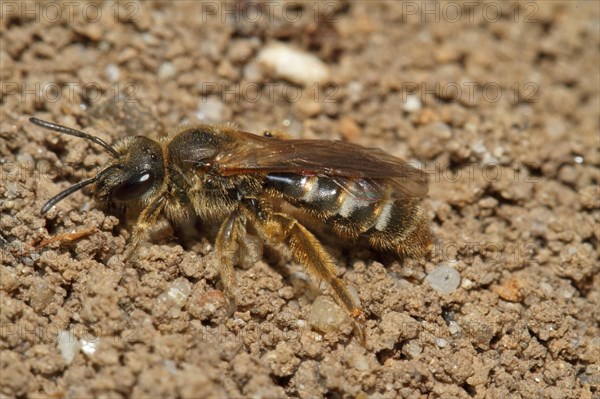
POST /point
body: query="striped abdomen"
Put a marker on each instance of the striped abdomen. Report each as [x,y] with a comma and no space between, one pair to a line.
[355,207]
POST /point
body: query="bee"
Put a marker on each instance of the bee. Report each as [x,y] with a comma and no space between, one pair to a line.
[223,174]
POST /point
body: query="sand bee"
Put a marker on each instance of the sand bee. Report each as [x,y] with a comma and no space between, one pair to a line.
[221,173]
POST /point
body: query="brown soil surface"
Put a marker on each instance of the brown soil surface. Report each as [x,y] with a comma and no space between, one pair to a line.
[499,102]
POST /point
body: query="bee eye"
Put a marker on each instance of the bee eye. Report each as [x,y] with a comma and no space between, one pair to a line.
[135,187]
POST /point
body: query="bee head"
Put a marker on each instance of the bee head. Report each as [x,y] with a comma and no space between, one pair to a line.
[133,177]
[136,175]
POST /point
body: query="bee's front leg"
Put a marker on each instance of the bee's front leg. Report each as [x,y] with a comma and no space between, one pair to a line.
[145,220]
[227,246]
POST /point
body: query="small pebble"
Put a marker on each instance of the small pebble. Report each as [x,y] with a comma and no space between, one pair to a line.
[358,361]
[68,345]
[89,347]
[444,279]
[112,72]
[453,327]
[170,366]
[467,284]
[251,72]
[413,348]
[179,291]
[297,66]
[412,103]
[166,70]
[210,109]
[24,158]
[325,315]
[355,91]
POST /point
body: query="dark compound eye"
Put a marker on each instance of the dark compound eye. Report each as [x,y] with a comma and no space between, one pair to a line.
[135,187]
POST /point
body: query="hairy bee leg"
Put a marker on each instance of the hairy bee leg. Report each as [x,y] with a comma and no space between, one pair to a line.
[226,247]
[145,220]
[310,253]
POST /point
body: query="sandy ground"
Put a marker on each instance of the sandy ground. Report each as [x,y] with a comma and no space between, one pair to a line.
[498,101]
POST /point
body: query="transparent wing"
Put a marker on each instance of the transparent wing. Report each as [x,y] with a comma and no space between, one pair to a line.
[327,158]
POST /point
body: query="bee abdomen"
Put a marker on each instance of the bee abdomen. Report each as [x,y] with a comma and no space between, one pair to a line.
[310,192]
[353,208]
[402,227]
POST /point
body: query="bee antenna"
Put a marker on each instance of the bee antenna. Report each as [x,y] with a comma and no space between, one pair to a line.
[73,132]
[63,194]
[76,187]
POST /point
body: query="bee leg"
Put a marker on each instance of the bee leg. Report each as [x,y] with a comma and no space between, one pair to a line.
[146,219]
[227,246]
[310,253]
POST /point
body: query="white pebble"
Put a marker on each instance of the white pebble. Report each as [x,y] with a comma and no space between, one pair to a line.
[68,345]
[166,70]
[24,158]
[479,147]
[294,65]
[210,109]
[355,91]
[148,38]
[325,315]
[359,362]
[412,103]
[170,366]
[467,284]
[112,72]
[444,279]
[414,348]
[470,127]
[89,347]
[567,293]
[179,291]
[251,72]
[547,287]
[453,327]
[440,130]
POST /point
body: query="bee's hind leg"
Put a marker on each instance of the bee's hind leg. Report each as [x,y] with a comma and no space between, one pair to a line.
[227,247]
[307,250]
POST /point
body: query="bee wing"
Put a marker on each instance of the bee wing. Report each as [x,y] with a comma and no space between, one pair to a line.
[327,158]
